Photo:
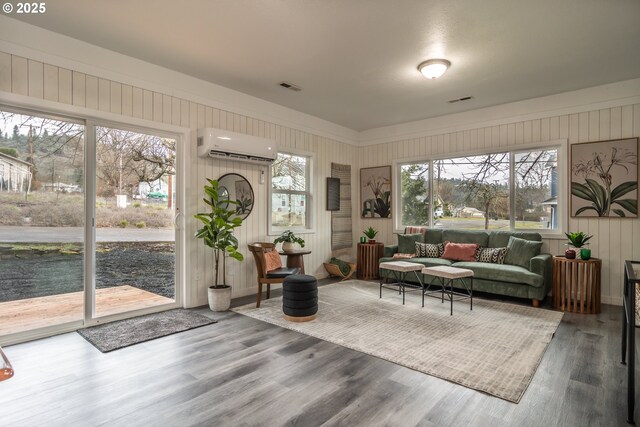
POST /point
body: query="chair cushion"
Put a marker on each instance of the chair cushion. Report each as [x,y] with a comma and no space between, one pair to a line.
[272,260]
[282,272]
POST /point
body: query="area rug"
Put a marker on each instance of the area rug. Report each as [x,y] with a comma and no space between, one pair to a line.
[496,348]
[124,333]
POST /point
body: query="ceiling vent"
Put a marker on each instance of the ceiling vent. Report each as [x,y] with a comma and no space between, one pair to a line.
[464,98]
[290,86]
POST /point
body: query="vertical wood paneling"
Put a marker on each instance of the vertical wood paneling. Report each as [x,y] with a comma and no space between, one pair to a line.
[19,75]
[138,103]
[79,83]
[115,97]
[127,100]
[91,92]
[104,95]
[5,72]
[65,86]
[611,243]
[50,82]
[36,79]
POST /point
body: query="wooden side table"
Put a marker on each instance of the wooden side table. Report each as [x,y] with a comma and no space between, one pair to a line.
[369,255]
[295,259]
[576,285]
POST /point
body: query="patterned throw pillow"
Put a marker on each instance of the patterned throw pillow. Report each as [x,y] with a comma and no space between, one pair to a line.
[491,255]
[429,250]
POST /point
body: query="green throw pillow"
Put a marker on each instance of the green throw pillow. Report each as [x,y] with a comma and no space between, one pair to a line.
[342,265]
[407,243]
[520,251]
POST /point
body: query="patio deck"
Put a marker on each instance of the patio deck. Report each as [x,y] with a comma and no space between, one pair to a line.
[32,313]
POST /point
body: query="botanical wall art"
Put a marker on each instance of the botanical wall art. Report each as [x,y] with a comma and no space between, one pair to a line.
[604,179]
[375,192]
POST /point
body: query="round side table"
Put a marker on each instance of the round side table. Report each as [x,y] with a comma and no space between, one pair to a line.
[576,285]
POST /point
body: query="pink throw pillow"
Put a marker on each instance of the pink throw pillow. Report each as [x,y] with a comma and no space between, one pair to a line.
[460,251]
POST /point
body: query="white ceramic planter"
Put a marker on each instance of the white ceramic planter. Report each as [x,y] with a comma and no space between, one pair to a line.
[288,246]
[219,298]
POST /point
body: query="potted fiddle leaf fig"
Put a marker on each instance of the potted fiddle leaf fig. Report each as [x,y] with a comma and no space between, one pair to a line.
[217,233]
[288,239]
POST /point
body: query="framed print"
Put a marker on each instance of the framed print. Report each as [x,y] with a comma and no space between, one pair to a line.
[375,192]
[604,179]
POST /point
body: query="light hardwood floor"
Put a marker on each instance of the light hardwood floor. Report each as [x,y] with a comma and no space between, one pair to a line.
[241,371]
[32,313]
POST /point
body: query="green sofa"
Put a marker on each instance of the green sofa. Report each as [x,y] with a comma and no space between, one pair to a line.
[533,283]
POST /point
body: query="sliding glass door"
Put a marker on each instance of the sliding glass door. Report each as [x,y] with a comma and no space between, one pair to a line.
[42,198]
[135,211]
[87,216]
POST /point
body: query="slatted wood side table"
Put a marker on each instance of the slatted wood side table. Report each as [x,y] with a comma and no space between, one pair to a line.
[576,285]
[369,255]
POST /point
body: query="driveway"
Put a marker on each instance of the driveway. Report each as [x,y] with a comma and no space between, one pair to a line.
[75,234]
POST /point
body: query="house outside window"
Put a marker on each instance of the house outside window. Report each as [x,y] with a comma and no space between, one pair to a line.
[291,196]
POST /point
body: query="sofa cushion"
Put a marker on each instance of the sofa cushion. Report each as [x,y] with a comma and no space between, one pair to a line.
[520,251]
[429,250]
[407,243]
[500,239]
[491,255]
[465,236]
[433,235]
[502,273]
[460,251]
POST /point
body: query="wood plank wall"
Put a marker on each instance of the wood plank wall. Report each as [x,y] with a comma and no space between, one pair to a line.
[614,239]
[44,81]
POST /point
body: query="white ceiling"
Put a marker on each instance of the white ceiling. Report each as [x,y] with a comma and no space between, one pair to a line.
[356,59]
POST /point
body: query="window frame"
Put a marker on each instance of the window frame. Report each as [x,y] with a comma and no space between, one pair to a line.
[562,164]
[308,193]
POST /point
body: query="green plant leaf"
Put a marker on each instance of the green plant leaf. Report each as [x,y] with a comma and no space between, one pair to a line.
[582,191]
[585,208]
[619,212]
[623,189]
[600,193]
[628,204]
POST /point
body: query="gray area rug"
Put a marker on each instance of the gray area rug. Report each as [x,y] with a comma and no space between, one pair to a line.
[496,348]
[123,333]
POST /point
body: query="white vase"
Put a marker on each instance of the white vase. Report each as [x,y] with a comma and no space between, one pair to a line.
[577,252]
[219,298]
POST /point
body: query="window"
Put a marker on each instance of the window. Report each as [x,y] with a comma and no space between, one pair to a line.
[473,192]
[504,190]
[291,192]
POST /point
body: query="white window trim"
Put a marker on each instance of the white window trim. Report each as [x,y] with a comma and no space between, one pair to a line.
[563,174]
[311,202]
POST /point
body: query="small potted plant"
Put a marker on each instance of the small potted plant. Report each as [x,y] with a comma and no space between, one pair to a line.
[371,234]
[578,239]
[217,233]
[288,239]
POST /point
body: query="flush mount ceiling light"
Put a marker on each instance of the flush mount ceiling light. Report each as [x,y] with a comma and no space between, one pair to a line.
[434,68]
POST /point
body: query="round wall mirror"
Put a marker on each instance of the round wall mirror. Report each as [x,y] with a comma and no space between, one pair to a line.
[236,187]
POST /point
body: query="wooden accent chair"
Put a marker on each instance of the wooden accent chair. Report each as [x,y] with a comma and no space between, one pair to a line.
[258,250]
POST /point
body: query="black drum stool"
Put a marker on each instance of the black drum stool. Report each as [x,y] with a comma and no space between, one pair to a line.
[300,298]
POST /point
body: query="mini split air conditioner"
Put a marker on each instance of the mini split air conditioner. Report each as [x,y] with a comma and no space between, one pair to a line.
[235,146]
